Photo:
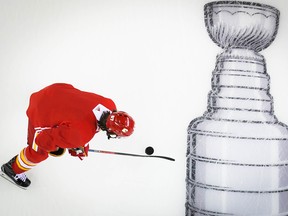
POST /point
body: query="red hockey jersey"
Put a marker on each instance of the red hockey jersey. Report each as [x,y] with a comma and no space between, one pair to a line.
[66,115]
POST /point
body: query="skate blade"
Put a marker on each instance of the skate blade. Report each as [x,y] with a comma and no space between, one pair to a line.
[10,180]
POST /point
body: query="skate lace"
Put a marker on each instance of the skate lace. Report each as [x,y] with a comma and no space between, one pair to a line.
[20,176]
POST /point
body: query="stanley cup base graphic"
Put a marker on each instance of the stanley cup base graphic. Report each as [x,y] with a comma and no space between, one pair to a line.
[237,154]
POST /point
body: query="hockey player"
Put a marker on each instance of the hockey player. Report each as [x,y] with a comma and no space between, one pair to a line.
[62,117]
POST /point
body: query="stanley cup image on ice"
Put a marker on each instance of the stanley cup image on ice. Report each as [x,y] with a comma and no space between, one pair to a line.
[237,155]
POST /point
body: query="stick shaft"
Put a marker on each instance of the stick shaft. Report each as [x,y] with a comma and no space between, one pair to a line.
[129,154]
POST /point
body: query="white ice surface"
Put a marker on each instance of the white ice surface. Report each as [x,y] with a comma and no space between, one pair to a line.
[154,58]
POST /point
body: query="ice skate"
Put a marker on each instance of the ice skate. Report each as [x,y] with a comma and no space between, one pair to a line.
[18,179]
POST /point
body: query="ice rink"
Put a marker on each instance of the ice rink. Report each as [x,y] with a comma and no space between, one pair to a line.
[154,58]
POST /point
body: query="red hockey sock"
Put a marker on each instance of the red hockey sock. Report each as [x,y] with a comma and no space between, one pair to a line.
[27,159]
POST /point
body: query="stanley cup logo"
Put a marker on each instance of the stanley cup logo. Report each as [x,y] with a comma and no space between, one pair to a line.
[237,156]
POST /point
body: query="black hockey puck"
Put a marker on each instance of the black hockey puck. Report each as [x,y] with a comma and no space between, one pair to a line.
[149,150]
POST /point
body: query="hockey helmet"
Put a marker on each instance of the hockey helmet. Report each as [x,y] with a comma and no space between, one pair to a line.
[120,124]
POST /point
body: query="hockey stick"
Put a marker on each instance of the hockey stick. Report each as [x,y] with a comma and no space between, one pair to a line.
[128,154]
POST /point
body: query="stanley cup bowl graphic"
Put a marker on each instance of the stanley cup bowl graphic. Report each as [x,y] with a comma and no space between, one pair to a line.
[237,151]
[241,24]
